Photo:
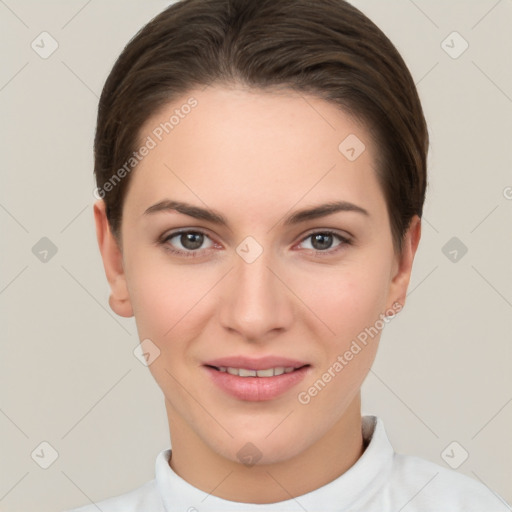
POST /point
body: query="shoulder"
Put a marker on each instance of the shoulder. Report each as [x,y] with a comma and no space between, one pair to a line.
[145,497]
[424,485]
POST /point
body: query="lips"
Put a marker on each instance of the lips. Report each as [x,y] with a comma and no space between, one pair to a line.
[245,372]
[256,380]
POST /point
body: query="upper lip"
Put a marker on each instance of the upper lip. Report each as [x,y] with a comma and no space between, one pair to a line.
[260,363]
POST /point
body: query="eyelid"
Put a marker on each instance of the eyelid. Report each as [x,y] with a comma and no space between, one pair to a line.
[345,240]
[180,231]
[344,235]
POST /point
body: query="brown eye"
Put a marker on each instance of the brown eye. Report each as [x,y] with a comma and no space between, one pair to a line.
[323,241]
[191,240]
[186,243]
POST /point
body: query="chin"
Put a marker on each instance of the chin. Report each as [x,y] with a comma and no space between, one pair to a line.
[259,448]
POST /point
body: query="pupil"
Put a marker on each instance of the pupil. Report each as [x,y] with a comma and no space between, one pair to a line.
[192,240]
[324,240]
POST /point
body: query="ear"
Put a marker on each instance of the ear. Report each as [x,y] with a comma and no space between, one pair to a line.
[403,265]
[112,256]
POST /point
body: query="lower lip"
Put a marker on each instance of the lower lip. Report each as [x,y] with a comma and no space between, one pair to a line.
[256,389]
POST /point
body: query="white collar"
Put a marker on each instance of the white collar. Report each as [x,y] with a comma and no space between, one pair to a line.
[363,479]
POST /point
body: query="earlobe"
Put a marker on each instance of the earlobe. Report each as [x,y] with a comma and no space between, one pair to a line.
[112,257]
[402,276]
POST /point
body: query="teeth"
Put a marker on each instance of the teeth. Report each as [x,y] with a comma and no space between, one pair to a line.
[244,372]
[264,373]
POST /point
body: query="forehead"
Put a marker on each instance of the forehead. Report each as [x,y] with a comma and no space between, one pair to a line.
[251,149]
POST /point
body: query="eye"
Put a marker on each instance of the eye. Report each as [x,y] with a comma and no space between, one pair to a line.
[322,241]
[190,242]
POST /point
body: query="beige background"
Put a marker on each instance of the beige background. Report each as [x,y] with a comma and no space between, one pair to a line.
[68,373]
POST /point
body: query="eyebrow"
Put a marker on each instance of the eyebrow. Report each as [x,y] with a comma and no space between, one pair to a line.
[214,217]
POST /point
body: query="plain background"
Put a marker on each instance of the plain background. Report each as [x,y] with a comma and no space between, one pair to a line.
[68,373]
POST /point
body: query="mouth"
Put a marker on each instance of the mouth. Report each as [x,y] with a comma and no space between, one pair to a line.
[256,380]
[247,372]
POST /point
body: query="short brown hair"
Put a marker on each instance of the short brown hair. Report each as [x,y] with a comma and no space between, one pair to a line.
[326,48]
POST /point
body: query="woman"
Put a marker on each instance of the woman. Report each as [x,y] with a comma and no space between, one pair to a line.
[261,173]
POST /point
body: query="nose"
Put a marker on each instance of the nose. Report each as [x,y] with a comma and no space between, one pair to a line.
[256,303]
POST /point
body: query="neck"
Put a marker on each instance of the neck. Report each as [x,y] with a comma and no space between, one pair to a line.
[319,464]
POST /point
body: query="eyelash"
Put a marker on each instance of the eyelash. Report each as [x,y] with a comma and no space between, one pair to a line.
[196,253]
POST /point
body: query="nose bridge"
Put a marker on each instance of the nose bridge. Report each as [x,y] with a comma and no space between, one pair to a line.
[257,301]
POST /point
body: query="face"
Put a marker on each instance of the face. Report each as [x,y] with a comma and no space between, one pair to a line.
[234,278]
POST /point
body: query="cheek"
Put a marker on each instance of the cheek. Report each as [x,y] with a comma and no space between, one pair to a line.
[167,305]
[348,298]
[164,295]
[350,303]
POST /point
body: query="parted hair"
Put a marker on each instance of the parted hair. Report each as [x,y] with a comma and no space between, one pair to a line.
[325,48]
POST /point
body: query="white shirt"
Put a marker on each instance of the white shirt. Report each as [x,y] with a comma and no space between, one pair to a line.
[380,481]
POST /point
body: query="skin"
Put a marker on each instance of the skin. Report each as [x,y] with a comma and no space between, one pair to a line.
[255,157]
